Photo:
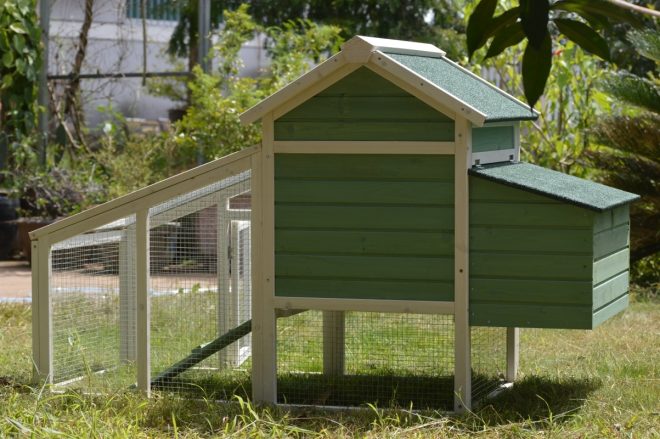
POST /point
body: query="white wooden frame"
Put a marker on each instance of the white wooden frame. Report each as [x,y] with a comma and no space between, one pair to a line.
[365,305]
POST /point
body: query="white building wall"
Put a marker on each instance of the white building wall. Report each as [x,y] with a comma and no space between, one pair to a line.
[115,46]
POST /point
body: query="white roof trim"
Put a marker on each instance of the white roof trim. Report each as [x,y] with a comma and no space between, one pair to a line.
[398,46]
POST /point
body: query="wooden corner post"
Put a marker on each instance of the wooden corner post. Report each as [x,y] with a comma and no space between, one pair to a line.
[264,339]
[143,318]
[42,330]
[462,367]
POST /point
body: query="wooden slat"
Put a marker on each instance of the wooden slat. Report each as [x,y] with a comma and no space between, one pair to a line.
[364,130]
[352,147]
[530,315]
[525,266]
[539,291]
[365,289]
[490,191]
[364,192]
[364,267]
[364,217]
[362,108]
[517,239]
[621,215]
[611,241]
[365,305]
[366,242]
[513,214]
[367,166]
[610,266]
[610,310]
[609,290]
[364,82]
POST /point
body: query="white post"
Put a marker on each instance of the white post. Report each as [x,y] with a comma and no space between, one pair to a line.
[333,343]
[143,305]
[42,334]
[512,353]
[127,295]
[227,318]
[462,366]
[264,339]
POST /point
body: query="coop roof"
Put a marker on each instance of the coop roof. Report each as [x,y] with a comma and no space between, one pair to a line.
[553,184]
[422,68]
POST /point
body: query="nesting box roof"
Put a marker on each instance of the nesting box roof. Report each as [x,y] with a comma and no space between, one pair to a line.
[419,66]
[553,184]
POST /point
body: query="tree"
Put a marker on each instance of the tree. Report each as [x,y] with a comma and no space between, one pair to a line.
[629,156]
[537,21]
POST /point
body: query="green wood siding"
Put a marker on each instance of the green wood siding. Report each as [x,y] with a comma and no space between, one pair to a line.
[364,226]
[537,262]
[364,106]
[493,138]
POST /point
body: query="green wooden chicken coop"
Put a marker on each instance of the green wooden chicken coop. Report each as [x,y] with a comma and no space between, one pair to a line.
[388,183]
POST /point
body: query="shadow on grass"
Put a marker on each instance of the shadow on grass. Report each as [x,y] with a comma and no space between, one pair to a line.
[538,399]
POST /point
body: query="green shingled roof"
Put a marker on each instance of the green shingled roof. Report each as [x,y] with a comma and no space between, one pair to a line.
[474,92]
[563,187]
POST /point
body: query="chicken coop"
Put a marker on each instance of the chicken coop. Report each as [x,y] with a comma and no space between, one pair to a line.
[381,245]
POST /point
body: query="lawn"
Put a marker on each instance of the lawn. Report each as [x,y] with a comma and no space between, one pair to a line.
[601,383]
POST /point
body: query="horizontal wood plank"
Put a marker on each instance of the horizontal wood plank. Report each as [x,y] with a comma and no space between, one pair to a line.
[364,289]
[364,267]
[514,214]
[522,315]
[364,217]
[526,266]
[611,266]
[364,130]
[482,189]
[611,241]
[363,82]
[365,192]
[365,242]
[609,290]
[540,240]
[538,291]
[364,167]
[610,310]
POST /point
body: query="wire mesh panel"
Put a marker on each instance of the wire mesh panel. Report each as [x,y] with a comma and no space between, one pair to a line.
[488,360]
[92,289]
[355,358]
[199,287]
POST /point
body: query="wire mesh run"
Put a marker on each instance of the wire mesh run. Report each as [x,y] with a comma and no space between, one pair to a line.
[200,289]
[92,294]
[357,358]
[488,359]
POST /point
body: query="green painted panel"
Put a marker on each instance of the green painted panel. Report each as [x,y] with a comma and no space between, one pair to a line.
[610,266]
[364,217]
[364,267]
[610,310]
[364,167]
[386,130]
[621,215]
[610,241]
[365,242]
[365,289]
[486,190]
[363,82]
[609,290]
[526,315]
[365,192]
[538,291]
[611,218]
[514,214]
[533,240]
[530,266]
[398,108]
[492,138]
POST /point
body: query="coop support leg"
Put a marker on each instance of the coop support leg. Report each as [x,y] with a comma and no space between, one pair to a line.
[42,335]
[127,296]
[226,287]
[462,366]
[143,306]
[333,342]
[264,354]
[512,353]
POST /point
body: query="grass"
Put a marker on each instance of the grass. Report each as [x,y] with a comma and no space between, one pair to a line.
[601,383]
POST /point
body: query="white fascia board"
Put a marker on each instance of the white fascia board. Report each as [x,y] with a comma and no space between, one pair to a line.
[499,90]
[395,46]
[278,98]
[427,87]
